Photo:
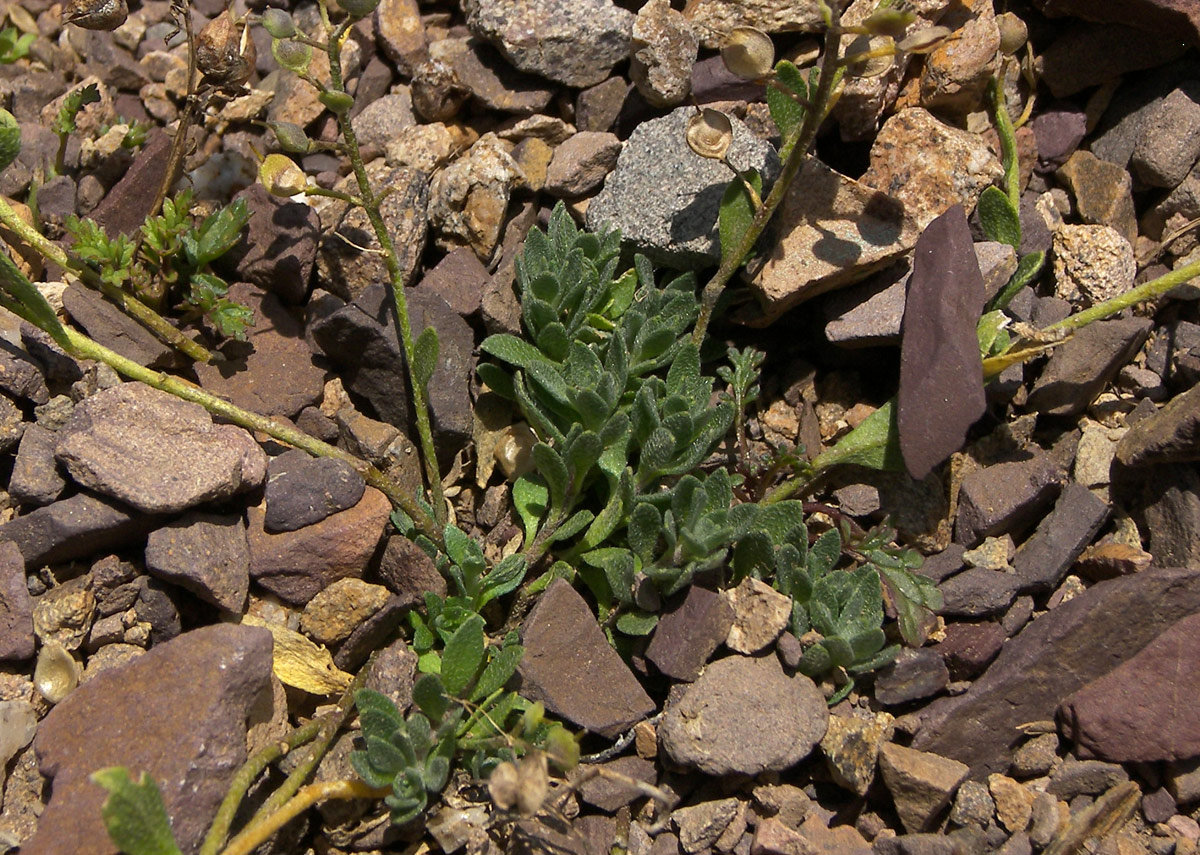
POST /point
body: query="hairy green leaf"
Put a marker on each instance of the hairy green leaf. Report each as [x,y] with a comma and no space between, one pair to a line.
[134,815]
[737,210]
[999,219]
[425,355]
[463,656]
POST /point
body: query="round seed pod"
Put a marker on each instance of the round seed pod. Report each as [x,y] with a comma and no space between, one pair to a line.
[278,23]
[870,66]
[292,138]
[10,139]
[748,53]
[337,102]
[709,133]
[888,22]
[281,176]
[56,673]
[358,8]
[1013,33]
[96,14]
[292,55]
[225,52]
[923,41]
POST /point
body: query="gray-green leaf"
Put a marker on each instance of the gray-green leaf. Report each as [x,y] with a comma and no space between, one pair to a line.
[134,815]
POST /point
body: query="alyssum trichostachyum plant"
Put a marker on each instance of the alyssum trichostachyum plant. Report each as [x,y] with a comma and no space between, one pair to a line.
[626,490]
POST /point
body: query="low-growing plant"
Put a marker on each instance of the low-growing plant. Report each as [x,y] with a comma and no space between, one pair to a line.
[629,490]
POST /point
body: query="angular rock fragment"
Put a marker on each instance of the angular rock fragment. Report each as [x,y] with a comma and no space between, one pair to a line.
[570,666]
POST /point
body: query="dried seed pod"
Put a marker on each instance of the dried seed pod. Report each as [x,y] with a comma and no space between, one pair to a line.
[533,783]
[96,14]
[292,55]
[748,53]
[923,41]
[281,176]
[1013,33]
[514,451]
[503,784]
[876,55]
[225,52]
[278,23]
[10,139]
[709,133]
[56,674]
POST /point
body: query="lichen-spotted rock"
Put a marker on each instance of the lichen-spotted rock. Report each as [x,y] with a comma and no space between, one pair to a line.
[745,715]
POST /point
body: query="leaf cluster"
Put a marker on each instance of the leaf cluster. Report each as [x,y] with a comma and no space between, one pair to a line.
[175,253]
[626,418]
[461,712]
[14,45]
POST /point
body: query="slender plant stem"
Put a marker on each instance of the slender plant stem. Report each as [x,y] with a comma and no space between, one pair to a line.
[18,295]
[1146,291]
[791,167]
[245,777]
[1008,143]
[329,727]
[254,836]
[133,307]
[396,276]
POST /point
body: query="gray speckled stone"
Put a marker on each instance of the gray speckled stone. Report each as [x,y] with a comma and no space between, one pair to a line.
[573,42]
[665,198]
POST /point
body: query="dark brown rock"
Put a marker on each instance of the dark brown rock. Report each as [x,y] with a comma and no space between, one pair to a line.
[1079,368]
[978,592]
[278,248]
[912,675]
[19,376]
[302,490]
[1005,498]
[76,527]
[152,450]
[714,726]
[1120,717]
[1058,128]
[1168,19]
[16,606]
[370,635]
[273,371]
[941,387]
[124,208]
[570,666]
[409,572]
[1084,55]
[689,633]
[295,565]
[1171,509]
[1172,435]
[1044,559]
[178,713]
[114,329]
[1103,192]
[36,479]
[1061,651]
[206,554]
[1084,778]
[607,794]
[361,338]
[459,279]
[499,86]
[969,648]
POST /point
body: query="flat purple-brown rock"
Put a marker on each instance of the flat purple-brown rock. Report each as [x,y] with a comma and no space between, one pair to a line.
[570,667]
[1054,656]
[178,713]
[1143,710]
